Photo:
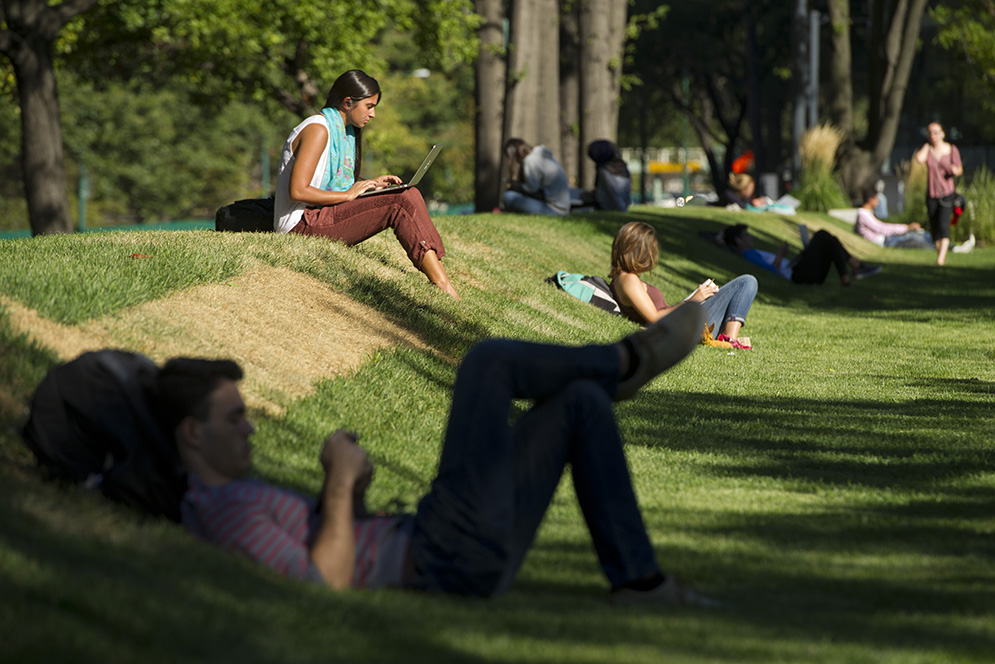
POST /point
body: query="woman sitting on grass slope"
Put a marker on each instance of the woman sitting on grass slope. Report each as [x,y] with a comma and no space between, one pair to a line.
[636,250]
[318,185]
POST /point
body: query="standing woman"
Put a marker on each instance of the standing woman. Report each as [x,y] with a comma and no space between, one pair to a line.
[942,165]
[318,183]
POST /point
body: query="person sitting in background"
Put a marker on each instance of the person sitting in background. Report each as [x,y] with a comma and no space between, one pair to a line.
[881,210]
[537,183]
[811,266]
[636,250]
[494,484]
[612,182]
[885,234]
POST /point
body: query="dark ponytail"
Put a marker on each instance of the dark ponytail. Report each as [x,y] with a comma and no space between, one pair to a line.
[354,85]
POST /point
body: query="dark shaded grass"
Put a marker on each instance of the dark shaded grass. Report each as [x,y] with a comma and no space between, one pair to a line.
[833,488]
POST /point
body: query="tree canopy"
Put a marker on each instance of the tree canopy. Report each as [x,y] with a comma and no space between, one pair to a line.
[287,51]
[207,54]
[967,31]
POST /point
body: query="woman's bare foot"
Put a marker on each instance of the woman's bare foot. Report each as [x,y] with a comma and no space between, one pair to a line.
[941,247]
[432,267]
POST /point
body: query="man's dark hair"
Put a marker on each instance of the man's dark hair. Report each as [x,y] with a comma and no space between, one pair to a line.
[732,233]
[185,384]
[868,192]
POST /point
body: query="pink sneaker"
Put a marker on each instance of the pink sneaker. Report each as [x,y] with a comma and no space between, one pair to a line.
[743,344]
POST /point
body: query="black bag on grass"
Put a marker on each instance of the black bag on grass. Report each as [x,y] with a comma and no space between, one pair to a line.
[92,423]
[253,215]
[586,288]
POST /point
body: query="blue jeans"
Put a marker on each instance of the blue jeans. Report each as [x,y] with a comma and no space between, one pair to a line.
[910,240]
[496,480]
[731,303]
[518,202]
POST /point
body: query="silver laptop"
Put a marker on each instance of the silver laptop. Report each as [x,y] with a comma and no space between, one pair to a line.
[415,179]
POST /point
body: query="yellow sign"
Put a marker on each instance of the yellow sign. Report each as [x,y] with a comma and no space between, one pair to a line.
[670,167]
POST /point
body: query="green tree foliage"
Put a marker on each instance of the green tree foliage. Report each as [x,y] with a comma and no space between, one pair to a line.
[152,155]
[13,206]
[169,103]
[966,29]
[29,30]
[288,51]
[416,112]
[736,60]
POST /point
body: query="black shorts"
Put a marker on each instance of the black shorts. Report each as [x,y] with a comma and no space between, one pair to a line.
[940,211]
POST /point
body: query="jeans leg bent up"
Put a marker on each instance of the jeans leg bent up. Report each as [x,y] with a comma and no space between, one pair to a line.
[731,303]
[495,480]
[814,261]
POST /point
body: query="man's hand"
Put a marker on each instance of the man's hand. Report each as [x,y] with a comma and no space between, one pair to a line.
[347,473]
[344,460]
[915,226]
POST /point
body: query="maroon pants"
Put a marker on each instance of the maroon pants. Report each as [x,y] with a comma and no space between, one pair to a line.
[362,218]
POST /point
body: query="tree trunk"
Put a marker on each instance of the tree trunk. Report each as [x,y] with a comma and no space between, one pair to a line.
[754,95]
[41,143]
[901,49]
[547,110]
[524,53]
[840,67]
[861,163]
[602,29]
[571,151]
[32,27]
[490,105]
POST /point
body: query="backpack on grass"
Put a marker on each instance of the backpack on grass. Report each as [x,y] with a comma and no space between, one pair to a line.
[586,288]
[91,423]
[249,215]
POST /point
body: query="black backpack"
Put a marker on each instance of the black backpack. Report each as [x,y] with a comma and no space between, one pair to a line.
[253,215]
[92,422]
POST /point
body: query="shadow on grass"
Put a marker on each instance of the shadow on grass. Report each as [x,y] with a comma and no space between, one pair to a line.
[449,333]
[780,603]
[902,446]
[904,284]
[75,594]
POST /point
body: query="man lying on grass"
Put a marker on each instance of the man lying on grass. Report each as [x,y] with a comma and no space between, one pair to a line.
[495,481]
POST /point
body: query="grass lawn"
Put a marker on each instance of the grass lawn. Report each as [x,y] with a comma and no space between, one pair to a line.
[835,487]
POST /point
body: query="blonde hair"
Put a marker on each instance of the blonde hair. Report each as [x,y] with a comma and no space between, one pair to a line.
[740,181]
[634,250]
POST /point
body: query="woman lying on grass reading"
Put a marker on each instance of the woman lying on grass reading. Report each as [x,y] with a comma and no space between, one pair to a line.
[636,250]
[811,266]
[318,188]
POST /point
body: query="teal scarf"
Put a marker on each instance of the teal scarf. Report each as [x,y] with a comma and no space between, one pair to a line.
[340,170]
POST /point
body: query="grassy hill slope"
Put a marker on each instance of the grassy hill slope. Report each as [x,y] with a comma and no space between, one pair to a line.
[834,487]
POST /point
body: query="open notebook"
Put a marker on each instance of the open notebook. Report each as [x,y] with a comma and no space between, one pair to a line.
[415,179]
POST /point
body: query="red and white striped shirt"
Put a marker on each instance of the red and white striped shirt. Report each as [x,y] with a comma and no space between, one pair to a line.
[276,526]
